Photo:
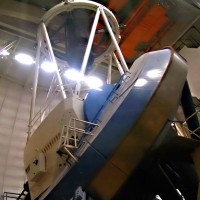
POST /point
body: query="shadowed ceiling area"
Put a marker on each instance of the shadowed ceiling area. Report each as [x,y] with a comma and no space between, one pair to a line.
[145,26]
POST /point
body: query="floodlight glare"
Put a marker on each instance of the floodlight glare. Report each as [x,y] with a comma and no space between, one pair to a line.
[155,73]
[48,66]
[73,75]
[93,82]
[24,59]
[140,82]
[4,53]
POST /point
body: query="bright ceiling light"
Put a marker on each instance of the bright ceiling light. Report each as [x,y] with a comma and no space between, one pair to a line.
[155,73]
[73,75]
[48,66]
[140,82]
[24,59]
[158,197]
[94,82]
[4,53]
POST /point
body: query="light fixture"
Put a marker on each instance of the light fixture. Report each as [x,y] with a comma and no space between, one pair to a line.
[140,82]
[158,197]
[155,73]
[93,82]
[24,58]
[179,192]
[4,53]
[73,75]
[48,66]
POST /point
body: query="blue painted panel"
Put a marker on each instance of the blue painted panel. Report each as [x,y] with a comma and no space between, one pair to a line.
[79,175]
[95,101]
[114,131]
[132,107]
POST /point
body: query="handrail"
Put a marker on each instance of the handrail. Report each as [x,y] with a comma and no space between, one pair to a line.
[39,116]
[198,111]
[109,99]
[192,132]
[71,141]
[184,126]
[11,195]
[44,108]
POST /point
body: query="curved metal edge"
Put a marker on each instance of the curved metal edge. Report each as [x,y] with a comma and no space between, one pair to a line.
[90,5]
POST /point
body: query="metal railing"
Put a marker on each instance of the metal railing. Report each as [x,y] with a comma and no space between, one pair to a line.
[182,127]
[11,195]
[72,135]
[45,109]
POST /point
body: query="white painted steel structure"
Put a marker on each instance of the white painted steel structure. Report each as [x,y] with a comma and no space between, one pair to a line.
[44,45]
